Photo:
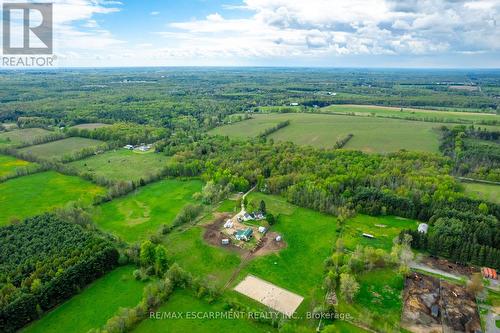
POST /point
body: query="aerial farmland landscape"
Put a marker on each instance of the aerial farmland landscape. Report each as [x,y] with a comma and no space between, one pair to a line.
[250,166]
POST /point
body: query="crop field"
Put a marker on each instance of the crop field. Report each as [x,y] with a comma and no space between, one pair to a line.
[91,126]
[185,303]
[191,252]
[8,165]
[35,194]
[383,228]
[371,134]
[488,192]
[379,299]
[309,236]
[94,305]
[140,214]
[60,148]
[381,111]
[122,164]
[17,137]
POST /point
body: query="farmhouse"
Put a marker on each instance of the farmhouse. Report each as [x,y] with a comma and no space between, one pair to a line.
[247,217]
[423,227]
[244,235]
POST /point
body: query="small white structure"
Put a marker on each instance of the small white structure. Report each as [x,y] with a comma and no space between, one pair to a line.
[262,230]
[228,224]
[423,228]
[247,217]
[129,147]
[368,235]
[225,241]
[294,104]
[278,238]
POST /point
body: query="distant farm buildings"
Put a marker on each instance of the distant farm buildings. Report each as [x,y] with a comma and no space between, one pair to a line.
[143,147]
[489,273]
[423,228]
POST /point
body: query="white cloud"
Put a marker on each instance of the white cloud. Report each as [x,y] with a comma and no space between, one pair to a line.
[154,13]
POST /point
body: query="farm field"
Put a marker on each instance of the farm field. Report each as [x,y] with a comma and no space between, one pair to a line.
[8,165]
[488,192]
[371,134]
[21,136]
[184,302]
[379,300]
[309,237]
[191,252]
[94,305]
[35,194]
[91,126]
[122,164]
[384,228]
[140,214]
[456,116]
[60,148]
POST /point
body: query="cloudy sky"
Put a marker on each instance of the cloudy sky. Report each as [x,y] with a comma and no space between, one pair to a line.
[333,33]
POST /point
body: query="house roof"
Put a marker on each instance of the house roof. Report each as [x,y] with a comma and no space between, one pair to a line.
[247,232]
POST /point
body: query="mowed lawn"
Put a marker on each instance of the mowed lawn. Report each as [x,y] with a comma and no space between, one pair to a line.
[60,148]
[94,305]
[9,165]
[383,228]
[189,249]
[309,236]
[20,136]
[122,164]
[140,214]
[379,298]
[191,311]
[38,193]
[368,110]
[371,134]
[487,192]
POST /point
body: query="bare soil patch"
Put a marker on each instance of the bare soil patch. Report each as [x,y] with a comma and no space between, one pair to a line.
[214,236]
[449,267]
[269,244]
[264,292]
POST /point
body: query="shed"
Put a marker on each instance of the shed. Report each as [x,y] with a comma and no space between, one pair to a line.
[423,227]
[262,230]
[225,241]
[368,235]
[228,224]
[278,238]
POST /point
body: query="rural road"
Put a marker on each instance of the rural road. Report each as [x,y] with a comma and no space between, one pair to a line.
[435,271]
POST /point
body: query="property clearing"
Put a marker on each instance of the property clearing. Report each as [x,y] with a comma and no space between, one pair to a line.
[91,126]
[122,164]
[60,148]
[22,136]
[276,298]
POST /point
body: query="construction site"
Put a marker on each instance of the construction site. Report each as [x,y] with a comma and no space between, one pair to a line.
[434,305]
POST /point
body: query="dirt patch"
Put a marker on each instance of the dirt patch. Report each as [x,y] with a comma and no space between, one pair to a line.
[431,305]
[449,266]
[214,236]
[269,244]
[264,292]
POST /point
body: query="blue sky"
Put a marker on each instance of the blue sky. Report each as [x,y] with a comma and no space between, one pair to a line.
[331,33]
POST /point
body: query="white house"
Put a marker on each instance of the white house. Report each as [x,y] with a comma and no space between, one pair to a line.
[423,228]
[262,230]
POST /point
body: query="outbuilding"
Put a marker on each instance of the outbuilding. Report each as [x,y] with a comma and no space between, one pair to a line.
[423,228]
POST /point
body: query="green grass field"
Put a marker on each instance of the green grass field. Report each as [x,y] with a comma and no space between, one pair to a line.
[17,137]
[35,194]
[140,214]
[379,298]
[369,110]
[384,228]
[299,267]
[8,165]
[192,309]
[191,252]
[94,305]
[488,192]
[91,126]
[122,164]
[371,134]
[60,148]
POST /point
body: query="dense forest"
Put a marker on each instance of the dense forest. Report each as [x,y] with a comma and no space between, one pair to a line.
[44,261]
